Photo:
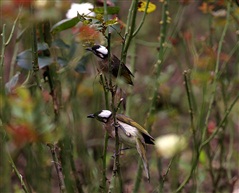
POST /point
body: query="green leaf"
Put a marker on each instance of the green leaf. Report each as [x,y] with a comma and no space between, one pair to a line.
[111,22]
[60,44]
[44,61]
[42,46]
[24,59]
[66,24]
[81,65]
[12,82]
[62,61]
[110,10]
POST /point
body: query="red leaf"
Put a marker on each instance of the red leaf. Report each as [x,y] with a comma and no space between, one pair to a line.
[22,134]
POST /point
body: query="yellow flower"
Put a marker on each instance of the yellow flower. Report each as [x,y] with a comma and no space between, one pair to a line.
[142,7]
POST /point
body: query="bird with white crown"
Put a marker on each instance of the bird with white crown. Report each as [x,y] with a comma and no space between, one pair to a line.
[115,65]
[130,133]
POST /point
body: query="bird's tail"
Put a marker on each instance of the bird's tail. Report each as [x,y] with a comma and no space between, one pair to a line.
[142,152]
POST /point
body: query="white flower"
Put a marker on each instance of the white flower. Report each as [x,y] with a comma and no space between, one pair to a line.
[169,145]
[83,8]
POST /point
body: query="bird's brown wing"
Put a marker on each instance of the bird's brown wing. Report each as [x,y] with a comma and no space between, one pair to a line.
[125,72]
[147,137]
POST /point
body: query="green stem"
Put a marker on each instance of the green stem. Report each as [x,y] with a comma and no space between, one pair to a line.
[19,176]
[138,177]
[148,122]
[189,96]
[159,63]
[58,168]
[142,20]
[204,142]
[130,28]
[222,122]
[132,64]
[35,57]
[216,71]
[2,59]
[106,137]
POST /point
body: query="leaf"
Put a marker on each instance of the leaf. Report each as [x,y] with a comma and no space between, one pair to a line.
[203,158]
[111,22]
[66,24]
[24,59]
[110,10]
[42,46]
[60,43]
[62,61]
[142,6]
[12,83]
[80,67]
[44,61]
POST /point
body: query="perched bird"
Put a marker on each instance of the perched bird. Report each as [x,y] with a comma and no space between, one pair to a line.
[115,64]
[130,133]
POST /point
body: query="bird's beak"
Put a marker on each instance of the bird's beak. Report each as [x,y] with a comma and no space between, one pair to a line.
[91,116]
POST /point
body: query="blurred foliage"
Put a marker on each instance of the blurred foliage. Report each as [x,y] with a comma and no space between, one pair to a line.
[53,111]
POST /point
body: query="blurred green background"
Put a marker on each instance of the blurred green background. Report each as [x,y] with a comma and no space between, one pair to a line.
[36,120]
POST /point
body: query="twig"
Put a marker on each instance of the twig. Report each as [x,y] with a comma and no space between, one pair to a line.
[142,20]
[75,173]
[106,137]
[20,177]
[216,71]
[2,59]
[5,43]
[163,30]
[35,56]
[58,168]
[189,96]
[129,29]
[203,141]
[163,177]
[159,62]
[138,176]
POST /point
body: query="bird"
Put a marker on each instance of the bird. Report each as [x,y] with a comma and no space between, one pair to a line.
[115,64]
[130,133]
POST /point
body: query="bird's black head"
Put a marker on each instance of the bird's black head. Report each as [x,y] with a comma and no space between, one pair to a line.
[100,51]
[102,116]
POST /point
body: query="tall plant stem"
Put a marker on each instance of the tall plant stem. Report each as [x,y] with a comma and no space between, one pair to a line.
[163,30]
[212,98]
[129,28]
[58,168]
[5,42]
[216,71]
[106,137]
[148,122]
[19,176]
[35,57]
